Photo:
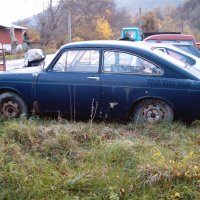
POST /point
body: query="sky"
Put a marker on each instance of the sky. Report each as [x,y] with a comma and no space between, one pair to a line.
[14,10]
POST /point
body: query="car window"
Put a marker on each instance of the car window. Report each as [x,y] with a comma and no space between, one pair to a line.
[121,62]
[162,49]
[177,55]
[189,49]
[130,34]
[78,61]
[169,41]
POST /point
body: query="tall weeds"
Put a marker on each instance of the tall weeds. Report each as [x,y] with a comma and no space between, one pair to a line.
[62,160]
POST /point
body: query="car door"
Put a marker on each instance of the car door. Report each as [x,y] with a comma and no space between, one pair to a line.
[124,80]
[72,85]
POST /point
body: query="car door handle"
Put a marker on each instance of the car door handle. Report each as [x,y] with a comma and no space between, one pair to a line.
[93,77]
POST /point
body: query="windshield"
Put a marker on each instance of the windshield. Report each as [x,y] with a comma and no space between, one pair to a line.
[130,34]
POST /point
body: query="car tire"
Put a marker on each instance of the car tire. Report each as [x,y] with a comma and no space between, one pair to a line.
[153,110]
[12,105]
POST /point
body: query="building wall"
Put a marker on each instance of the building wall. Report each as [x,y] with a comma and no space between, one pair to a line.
[8,35]
[5,36]
[18,36]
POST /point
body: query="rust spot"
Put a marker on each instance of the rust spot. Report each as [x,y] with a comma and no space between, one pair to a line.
[35,110]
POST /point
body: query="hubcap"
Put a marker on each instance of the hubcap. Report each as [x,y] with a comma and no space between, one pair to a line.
[10,109]
[153,113]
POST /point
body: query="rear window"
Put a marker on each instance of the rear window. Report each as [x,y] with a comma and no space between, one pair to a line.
[171,41]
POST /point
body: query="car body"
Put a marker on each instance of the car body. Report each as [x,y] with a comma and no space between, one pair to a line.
[185,42]
[171,50]
[189,48]
[105,79]
[131,33]
[171,38]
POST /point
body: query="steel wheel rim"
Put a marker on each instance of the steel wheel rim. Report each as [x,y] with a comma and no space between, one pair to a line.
[10,109]
[153,113]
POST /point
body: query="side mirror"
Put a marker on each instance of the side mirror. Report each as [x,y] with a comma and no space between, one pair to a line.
[34,57]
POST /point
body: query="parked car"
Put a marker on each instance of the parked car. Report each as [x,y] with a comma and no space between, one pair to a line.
[189,48]
[171,50]
[105,79]
[185,42]
[172,38]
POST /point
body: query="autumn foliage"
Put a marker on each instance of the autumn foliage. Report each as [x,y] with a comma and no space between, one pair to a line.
[93,19]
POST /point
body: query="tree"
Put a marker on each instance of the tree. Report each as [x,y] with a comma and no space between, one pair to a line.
[149,22]
[48,22]
[103,29]
[90,19]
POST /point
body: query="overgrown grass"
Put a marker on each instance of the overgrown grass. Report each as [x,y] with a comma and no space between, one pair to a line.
[62,160]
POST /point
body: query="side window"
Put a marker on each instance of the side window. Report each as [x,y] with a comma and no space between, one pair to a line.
[120,62]
[177,55]
[161,49]
[78,61]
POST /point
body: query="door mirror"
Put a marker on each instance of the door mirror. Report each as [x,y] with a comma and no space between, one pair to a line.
[34,57]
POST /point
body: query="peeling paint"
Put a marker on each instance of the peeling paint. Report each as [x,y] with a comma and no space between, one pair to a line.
[113,104]
[35,110]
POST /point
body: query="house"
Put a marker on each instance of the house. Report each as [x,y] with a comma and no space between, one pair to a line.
[13,38]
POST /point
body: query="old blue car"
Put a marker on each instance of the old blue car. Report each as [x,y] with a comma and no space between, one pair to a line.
[105,80]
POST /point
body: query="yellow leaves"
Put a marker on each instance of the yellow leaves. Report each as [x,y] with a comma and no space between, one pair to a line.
[178,174]
[103,29]
[188,174]
[196,168]
[157,154]
[177,195]
[161,166]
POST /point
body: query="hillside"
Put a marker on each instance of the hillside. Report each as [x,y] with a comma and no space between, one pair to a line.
[134,5]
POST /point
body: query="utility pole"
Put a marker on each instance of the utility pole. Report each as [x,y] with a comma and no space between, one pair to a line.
[69,22]
[140,17]
[182,18]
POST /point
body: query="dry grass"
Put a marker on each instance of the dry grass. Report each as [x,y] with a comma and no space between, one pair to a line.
[54,160]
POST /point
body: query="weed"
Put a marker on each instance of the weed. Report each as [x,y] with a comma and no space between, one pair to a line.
[42,159]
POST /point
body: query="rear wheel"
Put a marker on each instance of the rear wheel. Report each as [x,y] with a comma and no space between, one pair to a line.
[12,105]
[153,111]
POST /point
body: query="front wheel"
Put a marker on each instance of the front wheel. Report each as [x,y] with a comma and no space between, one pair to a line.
[12,105]
[153,111]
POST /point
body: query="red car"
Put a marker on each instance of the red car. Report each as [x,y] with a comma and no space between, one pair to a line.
[172,38]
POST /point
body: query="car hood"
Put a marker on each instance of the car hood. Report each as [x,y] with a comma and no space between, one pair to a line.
[26,70]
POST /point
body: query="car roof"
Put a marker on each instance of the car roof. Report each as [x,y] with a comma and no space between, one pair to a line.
[107,43]
[141,48]
[131,28]
[170,37]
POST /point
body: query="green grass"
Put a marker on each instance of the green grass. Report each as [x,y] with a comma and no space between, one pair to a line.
[108,161]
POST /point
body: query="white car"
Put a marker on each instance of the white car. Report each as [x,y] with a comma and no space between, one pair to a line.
[188,59]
